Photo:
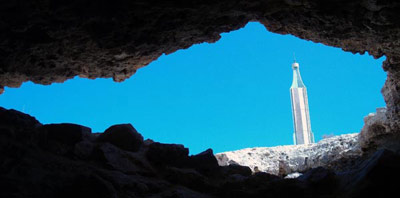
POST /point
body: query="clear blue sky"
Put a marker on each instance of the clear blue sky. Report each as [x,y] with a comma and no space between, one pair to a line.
[228,95]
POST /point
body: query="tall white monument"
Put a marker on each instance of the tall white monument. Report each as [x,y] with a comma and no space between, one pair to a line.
[301,115]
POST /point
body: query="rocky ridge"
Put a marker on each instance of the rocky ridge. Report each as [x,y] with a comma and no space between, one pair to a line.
[68,160]
[330,153]
[335,153]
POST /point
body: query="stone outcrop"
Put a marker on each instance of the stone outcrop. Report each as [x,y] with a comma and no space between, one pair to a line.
[168,154]
[12,120]
[378,132]
[67,160]
[123,136]
[335,153]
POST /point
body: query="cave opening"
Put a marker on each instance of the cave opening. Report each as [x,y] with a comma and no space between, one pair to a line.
[228,95]
[52,41]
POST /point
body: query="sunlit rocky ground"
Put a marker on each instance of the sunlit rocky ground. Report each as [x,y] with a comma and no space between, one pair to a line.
[334,152]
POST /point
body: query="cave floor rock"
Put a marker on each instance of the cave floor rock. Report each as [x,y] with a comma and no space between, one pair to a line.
[67,160]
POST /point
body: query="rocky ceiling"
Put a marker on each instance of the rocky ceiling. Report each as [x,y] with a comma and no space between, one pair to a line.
[48,41]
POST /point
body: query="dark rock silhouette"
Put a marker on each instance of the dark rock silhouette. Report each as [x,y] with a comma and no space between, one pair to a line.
[168,154]
[205,162]
[67,160]
[374,171]
[68,134]
[123,136]
[52,41]
[13,120]
[233,169]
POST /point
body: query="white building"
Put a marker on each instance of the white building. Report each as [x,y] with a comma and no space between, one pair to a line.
[301,115]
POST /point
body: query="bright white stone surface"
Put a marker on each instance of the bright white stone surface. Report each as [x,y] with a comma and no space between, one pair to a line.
[293,175]
[283,160]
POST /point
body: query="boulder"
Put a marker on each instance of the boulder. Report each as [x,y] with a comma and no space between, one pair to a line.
[123,136]
[14,123]
[236,169]
[168,154]
[205,158]
[205,162]
[15,118]
[377,175]
[115,158]
[65,133]
[377,133]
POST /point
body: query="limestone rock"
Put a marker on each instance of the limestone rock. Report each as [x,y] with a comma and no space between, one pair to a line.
[284,160]
[123,136]
[377,133]
[293,175]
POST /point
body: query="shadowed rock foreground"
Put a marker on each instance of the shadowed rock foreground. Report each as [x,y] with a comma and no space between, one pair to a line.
[67,160]
[50,41]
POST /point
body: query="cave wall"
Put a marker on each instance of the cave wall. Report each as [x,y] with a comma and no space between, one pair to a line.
[48,41]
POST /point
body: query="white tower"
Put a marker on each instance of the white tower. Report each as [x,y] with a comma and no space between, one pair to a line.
[301,115]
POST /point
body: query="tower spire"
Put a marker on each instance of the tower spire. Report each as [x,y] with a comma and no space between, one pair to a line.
[301,116]
[297,81]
